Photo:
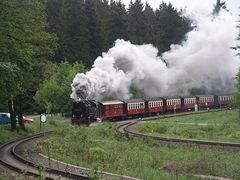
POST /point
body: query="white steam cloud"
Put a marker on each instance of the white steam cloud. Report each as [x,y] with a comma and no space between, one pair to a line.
[204,61]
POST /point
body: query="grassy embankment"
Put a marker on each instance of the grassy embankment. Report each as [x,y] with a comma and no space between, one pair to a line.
[215,126]
[104,149]
[6,134]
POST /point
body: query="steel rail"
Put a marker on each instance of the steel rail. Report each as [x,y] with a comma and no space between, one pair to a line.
[127,127]
[12,160]
[49,173]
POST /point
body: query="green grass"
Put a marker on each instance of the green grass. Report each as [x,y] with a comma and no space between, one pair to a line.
[53,122]
[104,149]
[214,126]
[6,134]
[225,116]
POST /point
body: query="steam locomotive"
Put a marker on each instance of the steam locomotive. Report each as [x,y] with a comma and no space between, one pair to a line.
[88,111]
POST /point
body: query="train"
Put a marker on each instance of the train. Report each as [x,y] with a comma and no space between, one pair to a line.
[89,111]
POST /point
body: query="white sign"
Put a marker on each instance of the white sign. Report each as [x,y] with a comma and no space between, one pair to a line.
[43,118]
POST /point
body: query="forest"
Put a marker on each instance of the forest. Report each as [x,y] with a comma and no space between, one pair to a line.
[43,44]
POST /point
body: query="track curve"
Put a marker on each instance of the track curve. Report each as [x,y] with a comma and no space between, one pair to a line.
[11,158]
[130,127]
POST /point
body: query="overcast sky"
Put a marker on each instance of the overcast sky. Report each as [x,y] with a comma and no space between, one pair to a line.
[232,5]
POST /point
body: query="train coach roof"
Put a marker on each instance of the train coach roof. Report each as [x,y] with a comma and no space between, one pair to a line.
[186,97]
[224,94]
[206,95]
[170,97]
[110,102]
[134,100]
[153,99]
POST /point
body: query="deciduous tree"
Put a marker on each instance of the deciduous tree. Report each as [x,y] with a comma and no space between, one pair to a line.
[23,42]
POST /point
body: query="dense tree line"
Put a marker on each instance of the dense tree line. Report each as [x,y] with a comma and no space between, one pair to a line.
[87,28]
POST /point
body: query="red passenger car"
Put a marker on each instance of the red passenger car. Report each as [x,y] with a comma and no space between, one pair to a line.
[154,106]
[205,101]
[188,102]
[134,107]
[111,109]
[173,103]
[225,100]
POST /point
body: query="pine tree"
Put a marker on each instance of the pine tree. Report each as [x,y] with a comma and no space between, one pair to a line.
[117,22]
[171,27]
[149,23]
[94,32]
[135,28]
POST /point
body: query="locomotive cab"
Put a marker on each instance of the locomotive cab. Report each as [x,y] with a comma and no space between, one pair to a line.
[85,112]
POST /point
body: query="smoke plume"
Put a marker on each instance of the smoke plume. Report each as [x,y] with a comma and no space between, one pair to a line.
[204,61]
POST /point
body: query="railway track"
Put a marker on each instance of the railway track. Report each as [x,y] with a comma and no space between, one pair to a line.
[130,127]
[12,158]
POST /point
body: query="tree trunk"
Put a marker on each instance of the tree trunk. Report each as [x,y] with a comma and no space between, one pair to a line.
[20,114]
[12,115]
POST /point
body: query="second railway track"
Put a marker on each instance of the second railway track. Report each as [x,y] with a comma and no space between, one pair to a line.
[130,127]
